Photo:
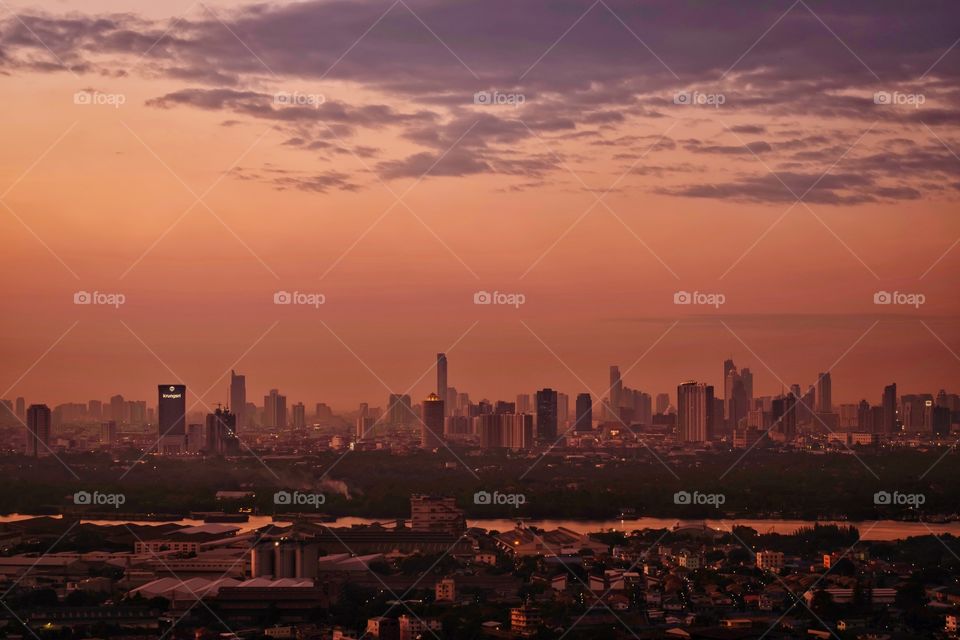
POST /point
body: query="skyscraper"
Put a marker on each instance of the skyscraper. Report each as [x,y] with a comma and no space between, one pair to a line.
[38,430]
[400,410]
[275,409]
[584,413]
[171,418]
[547,415]
[747,377]
[432,427]
[890,409]
[728,366]
[616,394]
[221,432]
[824,393]
[299,416]
[238,398]
[21,409]
[442,389]
[694,411]
[663,402]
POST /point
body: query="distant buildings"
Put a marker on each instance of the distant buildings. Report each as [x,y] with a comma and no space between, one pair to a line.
[431,428]
[221,432]
[584,408]
[889,404]
[442,389]
[436,514]
[238,398]
[275,410]
[547,415]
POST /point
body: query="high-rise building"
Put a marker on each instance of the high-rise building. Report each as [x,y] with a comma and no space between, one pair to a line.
[171,419]
[196,438]
[824,393]
[584,413]
[118,409]
[400,410]
[563,411]
[747,377]
[504,430]
[663,403]
[21,409]
[442,389]
[432,427]
[221,432]
[889,404]
[523,403]
[275,410]
[784,416]
[95,409]
[728,367]
[616,395]
[694,411]
[299,416]
[108,433]
[238,398]
[38,430]
[365,427]
[547,415]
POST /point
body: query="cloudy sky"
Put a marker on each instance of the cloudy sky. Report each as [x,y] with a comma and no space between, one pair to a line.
[796,158]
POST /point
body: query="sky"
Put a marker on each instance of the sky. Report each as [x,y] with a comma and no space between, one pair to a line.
[790,169]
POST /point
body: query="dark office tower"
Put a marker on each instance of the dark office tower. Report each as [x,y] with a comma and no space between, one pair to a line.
[275,410]
[221,432]
[503,406]
[547,414]
[789,420]
[38,430]
[824,393]
[694,409]
[616,395]
[738,406]
[171,419]
[442,389]
[940,421]
[432,427]
[663,403]
[890,409]
[118,409]
[238,398]
[747,376]
[21,409]
[584,413]
[728,367]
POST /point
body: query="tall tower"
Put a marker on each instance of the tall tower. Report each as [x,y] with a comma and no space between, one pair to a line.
[171,418]
[616,394]
[238,397]
[824,393]
[547,415]
[432,426]
[275,409]
[890,409]
[728,367]
[38,430]
[584,413]
[442,390]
